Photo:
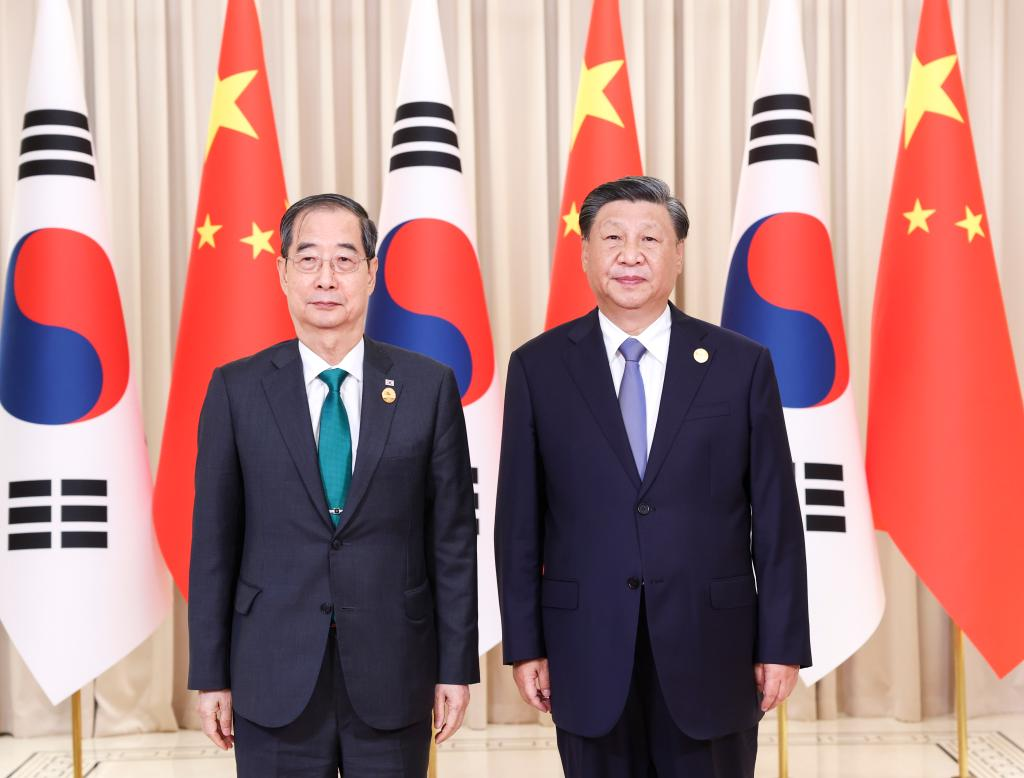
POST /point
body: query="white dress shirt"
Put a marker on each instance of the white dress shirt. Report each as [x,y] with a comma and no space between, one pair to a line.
[351,388]
[652,363]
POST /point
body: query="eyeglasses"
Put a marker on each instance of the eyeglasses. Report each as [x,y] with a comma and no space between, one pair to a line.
[341,264]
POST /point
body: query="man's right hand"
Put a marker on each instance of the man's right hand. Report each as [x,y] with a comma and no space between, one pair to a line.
[215,712]
[534,684]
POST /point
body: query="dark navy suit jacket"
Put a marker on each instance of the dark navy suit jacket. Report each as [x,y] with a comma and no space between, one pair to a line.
[713,531]
[268,568]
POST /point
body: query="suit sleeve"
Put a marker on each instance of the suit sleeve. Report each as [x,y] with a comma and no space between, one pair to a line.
[451,542]
[217,533]
[519,528]
[777,536]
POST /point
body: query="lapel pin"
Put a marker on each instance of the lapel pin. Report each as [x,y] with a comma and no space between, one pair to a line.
[388,395]
[701,355]
[389,382]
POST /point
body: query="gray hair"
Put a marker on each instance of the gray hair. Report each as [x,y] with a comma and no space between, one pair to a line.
[328,200]
[646,189]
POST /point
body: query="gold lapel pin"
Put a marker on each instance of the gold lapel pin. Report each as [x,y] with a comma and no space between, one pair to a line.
[701,355]
[388,395]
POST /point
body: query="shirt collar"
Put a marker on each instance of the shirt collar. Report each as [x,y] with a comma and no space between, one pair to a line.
[655,338]
[313,364]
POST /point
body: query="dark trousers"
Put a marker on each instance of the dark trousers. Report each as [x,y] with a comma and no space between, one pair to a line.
[328,736]
[646,743]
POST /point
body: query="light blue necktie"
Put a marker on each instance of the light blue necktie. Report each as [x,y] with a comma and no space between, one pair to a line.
[633,403]
[335,449]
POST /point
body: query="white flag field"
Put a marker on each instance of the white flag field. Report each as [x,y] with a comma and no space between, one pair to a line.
[430,295]
[81,579]
[782,292]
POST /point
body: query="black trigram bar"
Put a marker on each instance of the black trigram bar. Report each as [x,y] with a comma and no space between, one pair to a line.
[425,159]
[826,497]
[31,514]
[57,142]
[27,541]
[425,134]
[782,151]
[823,472]
[16,489]
[782,103]
[56,167]
[782,127]
[83,513]
[826,523]
[55,116]
[424,109]
[83,540]
[83,487]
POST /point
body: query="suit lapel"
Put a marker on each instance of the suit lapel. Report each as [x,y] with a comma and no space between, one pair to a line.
[374,425]
[286,392]
[587,361]
[683,377]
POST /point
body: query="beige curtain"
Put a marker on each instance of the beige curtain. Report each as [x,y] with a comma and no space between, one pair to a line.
[333,67]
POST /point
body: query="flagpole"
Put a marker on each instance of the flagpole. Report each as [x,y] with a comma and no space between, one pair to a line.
[961,701]
[432,767]
[783,742]
[76,732]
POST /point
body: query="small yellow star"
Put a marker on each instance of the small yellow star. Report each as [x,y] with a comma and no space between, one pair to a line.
[572,221]
[225,111]
[926,95]
[918,218]
[590,97]
[206,232]
[972,223]
[259,240]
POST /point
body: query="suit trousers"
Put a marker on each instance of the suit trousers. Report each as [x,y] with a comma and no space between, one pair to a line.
[646,743]
[329,736]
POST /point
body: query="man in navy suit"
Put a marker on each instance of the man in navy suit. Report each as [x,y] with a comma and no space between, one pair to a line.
[333,571]
[649,543]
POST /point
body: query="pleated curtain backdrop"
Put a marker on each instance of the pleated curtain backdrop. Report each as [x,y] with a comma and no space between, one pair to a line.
[333,67]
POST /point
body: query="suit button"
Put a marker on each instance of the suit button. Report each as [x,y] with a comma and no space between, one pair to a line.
[325,608]
[643,509]
[335,544]
[633,583]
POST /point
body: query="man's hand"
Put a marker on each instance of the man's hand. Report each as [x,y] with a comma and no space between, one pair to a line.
[450,703]
[775,682]
[215,712]
[531,677]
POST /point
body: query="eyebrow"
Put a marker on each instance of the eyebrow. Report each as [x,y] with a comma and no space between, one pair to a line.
[619,225]
[309,245]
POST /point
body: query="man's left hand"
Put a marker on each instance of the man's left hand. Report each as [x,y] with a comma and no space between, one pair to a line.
[775,682]
[450,703]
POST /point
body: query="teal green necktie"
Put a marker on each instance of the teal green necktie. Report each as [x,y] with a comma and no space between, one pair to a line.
[335,444]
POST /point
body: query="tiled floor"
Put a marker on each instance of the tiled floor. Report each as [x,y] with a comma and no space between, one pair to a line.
[849,748]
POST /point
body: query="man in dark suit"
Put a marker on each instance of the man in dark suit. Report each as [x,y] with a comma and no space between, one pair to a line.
[333,571]
[649,544]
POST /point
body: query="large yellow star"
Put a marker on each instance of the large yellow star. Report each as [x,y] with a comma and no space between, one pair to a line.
[206,232]
[926,95]
[590,97]
[918,218]
[572,221]
[259,240]
[972,223]
[225,112]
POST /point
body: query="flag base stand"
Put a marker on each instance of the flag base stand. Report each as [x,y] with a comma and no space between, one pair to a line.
[76,733]
[961,702]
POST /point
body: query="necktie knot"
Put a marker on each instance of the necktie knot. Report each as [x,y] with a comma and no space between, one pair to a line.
[632,349]
[333,378]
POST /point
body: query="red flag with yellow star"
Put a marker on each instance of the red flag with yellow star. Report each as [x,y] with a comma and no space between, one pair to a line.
[945,420]
[233,303]
[603,147]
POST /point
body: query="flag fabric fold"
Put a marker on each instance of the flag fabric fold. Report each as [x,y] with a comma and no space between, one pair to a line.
[81,579]
[782,292]
[430,294]
[233,304]
[945,417]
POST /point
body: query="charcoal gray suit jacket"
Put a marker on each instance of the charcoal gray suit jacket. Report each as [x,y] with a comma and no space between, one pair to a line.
[269,569]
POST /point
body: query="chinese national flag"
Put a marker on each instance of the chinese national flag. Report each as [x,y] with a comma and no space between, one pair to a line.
[233,303]
[946,422]
[603,147]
